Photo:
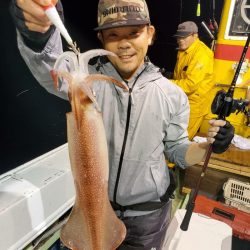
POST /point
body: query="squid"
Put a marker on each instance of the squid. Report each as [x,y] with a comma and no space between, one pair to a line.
[92,223]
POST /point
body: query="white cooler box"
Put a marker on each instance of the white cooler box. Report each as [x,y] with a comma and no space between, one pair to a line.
[33,196]
[204,233]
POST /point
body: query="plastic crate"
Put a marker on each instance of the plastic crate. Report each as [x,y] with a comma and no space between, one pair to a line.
[237,194]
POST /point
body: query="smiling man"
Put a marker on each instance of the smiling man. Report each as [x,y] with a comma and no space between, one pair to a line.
[143,126]
[130,44]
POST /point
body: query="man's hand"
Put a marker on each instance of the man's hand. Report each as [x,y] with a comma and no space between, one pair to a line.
[220,134]
[32,23]
[33,13]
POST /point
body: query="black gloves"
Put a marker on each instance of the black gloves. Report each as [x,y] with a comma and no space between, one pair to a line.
[34,40]
[223,138]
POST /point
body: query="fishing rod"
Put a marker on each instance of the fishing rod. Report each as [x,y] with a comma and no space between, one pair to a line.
[223,105]
[214,23]
[198,8]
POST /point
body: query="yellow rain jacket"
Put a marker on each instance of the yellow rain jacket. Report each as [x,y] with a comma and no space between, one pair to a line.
[194,74]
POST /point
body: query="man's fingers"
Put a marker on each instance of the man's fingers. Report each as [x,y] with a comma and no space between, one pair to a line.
[210,140]
[33,9]
[44,2]
[54,2]
[37,27]
[217,123]
[34,15]
[220,134]
[31,19]
[211,134]
[214,129]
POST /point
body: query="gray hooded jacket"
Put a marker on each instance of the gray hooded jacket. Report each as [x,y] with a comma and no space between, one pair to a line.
[156,125]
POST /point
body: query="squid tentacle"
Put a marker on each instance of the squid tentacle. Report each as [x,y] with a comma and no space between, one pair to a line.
[85,57]
[67,56]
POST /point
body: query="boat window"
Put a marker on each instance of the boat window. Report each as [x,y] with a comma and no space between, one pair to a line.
[240,18]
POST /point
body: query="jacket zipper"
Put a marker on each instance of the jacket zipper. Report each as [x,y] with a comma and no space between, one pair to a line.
[125,138]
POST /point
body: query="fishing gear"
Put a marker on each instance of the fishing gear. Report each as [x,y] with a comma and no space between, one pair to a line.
[213,24]
[54,17]
[223,105]
[211,35]
[198,9]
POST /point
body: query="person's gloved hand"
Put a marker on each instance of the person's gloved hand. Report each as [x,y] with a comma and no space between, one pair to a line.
[220,134]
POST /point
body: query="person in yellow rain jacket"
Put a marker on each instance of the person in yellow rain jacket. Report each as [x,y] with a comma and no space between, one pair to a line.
[194,73]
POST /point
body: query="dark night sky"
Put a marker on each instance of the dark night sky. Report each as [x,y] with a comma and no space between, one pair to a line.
[33,121]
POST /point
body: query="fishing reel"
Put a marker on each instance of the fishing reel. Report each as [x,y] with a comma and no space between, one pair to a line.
[224,105]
